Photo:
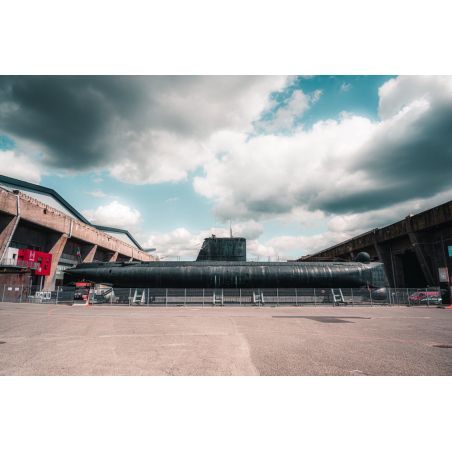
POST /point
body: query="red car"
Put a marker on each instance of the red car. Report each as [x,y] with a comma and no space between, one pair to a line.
[421,297]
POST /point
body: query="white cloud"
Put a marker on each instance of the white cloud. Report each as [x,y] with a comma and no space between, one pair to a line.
[98,193]
[144,130]
[114,215]
[294,108]
[346,86]
[19,167]
[339,167]
[172,199]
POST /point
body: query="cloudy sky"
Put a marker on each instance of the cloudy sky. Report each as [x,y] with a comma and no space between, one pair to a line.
[298,163]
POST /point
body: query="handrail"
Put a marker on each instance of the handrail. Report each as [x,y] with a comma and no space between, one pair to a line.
[20,263]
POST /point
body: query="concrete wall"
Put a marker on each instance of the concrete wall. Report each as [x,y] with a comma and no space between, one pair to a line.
[57,233]
[411,250]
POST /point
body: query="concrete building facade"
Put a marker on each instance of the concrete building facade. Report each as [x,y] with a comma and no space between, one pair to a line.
[412,250]
[34,217]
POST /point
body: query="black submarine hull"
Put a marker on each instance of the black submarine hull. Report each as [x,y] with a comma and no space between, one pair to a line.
[222,274]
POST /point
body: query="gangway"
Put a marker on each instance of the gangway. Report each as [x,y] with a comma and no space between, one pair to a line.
[218,299]
[258,298]
[338,297]
[139,298]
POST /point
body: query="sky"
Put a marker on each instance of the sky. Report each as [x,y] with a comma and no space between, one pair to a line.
[297,163]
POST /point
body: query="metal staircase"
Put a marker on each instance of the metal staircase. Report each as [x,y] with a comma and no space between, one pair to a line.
[139,298]
[338,297]
[258,299]
[218,299]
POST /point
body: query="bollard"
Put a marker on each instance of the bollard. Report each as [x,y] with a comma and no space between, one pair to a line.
[296,298]
[21,291]
[277,297]
[4,288]
[408,296]
[185,297]
[315,299]
[353,301]
[166,298]
[370,297]
[428,299]
[240,295]
[56,298]
[202,297]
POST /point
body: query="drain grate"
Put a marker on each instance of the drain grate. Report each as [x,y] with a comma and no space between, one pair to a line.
[443,346]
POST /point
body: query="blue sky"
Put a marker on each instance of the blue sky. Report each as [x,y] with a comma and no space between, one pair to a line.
[297,163]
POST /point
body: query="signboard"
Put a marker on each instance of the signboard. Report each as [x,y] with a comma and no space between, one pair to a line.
[443,274]
[449,248]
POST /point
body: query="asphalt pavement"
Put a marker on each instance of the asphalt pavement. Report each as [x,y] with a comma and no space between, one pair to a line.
[355,341]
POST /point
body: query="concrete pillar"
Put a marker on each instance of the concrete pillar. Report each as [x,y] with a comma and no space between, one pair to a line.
[114,257]
[55,246]
[6,228]
[384,256]
[425,253]
[87,252]
[399,270]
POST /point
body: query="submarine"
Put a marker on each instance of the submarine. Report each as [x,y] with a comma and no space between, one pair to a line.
[221,263]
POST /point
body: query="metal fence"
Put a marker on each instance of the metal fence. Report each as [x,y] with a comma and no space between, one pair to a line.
[226,297]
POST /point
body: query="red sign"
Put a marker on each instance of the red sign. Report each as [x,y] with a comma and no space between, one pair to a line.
[43,259]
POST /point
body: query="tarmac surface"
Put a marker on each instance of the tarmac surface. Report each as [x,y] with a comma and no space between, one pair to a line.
[78,340]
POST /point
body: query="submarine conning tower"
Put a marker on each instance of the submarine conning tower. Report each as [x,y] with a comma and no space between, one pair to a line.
[223,249]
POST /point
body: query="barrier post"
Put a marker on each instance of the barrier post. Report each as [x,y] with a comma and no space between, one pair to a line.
[202,297]
[370,297]
[21,290]
[166,298]
[148,297]
[240,296]
[130,293]
[296,298]
[4,288]
[353,301]
[185,297]
[408,296]
[56,301]
[428,299]
[315,299]
[277,297]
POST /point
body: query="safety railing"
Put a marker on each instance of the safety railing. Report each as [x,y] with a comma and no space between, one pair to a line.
[9,262]
[102,295]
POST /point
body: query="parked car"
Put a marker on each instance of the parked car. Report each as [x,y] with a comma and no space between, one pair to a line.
[422,298]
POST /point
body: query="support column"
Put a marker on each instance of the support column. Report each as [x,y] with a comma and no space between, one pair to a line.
[54,245]
[423,247]
[6,229]
[399,271]
[114,257]
[87,253]
[384,256]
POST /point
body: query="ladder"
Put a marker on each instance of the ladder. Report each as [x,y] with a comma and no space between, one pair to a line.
[338,297]
[218,299]
[258,299]
[139,299]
